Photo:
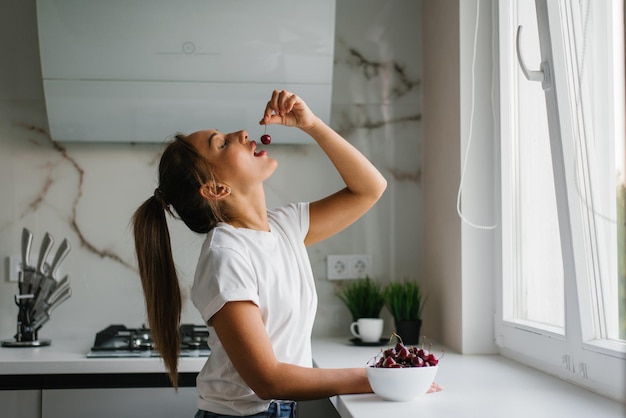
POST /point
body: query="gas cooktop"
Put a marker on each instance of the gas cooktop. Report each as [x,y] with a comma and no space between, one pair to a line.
[120,341]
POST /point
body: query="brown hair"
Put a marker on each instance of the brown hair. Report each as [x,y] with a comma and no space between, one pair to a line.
[182,170]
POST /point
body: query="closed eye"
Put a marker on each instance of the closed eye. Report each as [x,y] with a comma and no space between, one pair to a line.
[216,137]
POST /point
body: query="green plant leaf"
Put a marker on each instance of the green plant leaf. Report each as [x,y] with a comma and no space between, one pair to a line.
[404,300]
[363,298]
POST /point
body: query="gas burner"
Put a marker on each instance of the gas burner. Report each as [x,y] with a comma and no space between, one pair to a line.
[120,341]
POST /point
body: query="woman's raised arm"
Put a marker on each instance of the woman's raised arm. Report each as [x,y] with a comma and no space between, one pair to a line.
[364,183]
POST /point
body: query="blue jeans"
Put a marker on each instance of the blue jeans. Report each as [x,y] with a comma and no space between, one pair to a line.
[285,409]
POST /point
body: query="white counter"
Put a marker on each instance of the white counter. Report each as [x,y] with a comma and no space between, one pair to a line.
[474,386]
[70,357]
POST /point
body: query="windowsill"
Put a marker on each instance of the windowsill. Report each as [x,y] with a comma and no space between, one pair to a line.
[611,348]
[474,385]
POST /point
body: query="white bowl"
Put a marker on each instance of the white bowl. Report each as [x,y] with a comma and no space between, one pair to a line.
[401,384]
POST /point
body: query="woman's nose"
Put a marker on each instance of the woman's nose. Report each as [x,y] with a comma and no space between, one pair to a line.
[243,136]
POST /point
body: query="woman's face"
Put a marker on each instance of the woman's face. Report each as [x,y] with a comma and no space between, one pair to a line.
[234,158]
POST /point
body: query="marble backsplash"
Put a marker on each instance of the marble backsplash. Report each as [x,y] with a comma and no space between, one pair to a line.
[88,192]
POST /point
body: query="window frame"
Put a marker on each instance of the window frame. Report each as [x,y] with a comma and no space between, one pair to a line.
[578,356]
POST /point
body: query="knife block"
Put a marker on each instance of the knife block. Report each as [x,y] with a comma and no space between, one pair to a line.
[26,335]
[39,290]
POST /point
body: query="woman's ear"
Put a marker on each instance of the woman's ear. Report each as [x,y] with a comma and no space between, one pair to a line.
[214,191]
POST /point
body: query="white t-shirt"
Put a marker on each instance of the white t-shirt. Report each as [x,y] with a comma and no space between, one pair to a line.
[271,269]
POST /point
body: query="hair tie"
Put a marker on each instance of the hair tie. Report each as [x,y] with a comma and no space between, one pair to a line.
[161,198]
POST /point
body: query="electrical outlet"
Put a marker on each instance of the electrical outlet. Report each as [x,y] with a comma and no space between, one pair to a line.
[13,268]
[360,266]
[338,267]
[342,267]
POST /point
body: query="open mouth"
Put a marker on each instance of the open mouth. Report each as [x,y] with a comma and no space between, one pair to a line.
[258,153]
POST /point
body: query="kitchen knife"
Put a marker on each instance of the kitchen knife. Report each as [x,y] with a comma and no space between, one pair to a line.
[64,283]
[60,255]
[20,282]
[46,246]
[31,281]
[47,286]
[49,283]
[49,302]
[65,295]
[45,317]
[45,300]
[27,241]
[39,274]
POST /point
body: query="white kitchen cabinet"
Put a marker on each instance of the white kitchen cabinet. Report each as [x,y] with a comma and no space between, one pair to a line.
[119,402]
[20,403]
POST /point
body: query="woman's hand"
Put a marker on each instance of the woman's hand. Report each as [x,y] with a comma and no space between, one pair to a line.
[435,387]
[288,109]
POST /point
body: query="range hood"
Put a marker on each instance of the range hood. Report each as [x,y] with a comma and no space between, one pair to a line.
[143,70]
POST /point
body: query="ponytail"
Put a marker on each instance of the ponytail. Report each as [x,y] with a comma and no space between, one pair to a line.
[159,280]
[182,171]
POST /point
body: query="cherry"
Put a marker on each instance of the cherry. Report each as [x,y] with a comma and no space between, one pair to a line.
[389,362]
[265,138]
[417,362]
[403,353]
[432,360]
[403,356]
[390,352]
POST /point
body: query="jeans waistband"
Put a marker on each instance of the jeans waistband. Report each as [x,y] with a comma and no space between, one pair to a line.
[279,409]
[286,409]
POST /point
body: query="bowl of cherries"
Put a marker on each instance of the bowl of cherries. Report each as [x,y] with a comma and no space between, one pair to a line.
[402,373]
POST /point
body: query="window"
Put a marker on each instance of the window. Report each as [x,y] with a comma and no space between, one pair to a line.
[563,297]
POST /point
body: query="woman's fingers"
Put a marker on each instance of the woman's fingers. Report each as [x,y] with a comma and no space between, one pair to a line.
[283,108]
[435,387]
[272,112]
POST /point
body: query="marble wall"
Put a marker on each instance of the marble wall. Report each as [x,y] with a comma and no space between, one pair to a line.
[88,192]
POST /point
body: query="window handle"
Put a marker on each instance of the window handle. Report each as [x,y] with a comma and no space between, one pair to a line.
[542,75]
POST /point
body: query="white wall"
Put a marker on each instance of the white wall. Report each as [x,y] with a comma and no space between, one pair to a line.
[87,192]
[458,259]
[442,255]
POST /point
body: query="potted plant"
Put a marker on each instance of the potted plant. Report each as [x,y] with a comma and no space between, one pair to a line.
[405,302]
[364,299]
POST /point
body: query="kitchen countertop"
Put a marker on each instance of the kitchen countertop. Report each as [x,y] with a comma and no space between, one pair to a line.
[474,386]
[69,356]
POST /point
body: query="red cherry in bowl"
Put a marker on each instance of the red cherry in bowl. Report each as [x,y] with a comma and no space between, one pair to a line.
[266,139]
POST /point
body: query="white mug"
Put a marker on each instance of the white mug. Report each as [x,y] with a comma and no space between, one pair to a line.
[369,329]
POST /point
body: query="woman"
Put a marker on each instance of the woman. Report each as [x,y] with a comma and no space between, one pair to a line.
[253,283]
